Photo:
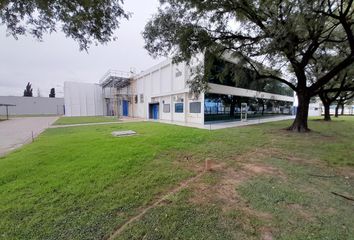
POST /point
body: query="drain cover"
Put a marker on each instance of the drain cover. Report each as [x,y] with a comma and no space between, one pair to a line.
[123,133]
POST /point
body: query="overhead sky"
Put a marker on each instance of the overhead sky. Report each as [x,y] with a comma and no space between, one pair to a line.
[57,59]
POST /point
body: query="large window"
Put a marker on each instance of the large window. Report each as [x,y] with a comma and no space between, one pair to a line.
[219,107]
[141,98]
[179,107]
[230,74]
[195,107]
[166,108]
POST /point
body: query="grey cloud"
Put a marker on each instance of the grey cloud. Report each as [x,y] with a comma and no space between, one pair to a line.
[57,59]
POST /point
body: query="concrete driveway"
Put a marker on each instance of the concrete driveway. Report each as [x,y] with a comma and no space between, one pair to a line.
[18,131]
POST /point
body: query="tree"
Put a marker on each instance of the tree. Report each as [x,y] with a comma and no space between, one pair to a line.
[52,93]
[86,22]
[28,92]
[279,40]
[344,98]
[336,90]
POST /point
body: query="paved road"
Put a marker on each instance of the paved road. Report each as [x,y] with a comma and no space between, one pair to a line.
[18,131]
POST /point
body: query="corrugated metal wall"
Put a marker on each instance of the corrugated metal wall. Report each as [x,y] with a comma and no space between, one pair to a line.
[83,99]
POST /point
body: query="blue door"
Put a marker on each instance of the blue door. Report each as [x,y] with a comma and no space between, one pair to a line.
[155,111]
[125,108]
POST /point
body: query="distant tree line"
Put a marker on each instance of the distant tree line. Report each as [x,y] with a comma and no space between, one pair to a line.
[28,92]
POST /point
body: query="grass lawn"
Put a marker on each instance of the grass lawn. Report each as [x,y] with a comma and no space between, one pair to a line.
[82,183]
[78,120]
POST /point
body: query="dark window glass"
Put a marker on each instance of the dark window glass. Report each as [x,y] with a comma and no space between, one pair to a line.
[195,107]
[179,107]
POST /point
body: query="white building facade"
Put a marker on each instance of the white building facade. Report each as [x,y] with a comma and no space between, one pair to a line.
[161,93]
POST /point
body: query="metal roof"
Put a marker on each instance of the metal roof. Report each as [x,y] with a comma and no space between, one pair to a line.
[7,105]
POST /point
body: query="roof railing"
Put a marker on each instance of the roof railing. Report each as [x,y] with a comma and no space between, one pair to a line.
[115,73]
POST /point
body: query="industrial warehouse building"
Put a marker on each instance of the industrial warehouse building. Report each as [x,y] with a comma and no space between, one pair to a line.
[163,93]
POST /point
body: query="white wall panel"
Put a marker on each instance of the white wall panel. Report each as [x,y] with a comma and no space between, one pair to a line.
[83,99]
[166,80]
[156,85]
[222,89]
[147,86]
[178,77]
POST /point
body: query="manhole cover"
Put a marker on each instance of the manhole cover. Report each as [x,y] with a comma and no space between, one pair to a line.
[123,133]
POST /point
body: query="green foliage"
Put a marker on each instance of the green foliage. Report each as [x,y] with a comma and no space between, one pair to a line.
[28,92]
[52,93]
[86,22]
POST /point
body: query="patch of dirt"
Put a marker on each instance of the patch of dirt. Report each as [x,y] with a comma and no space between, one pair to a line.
[266,233]
[300,211]
[331,211]
[346,172]
[258,168]
[219,185]
[224,191]
[257,155]
[244,167]
[227,176]
[278,153]
[188,161]
[260,215]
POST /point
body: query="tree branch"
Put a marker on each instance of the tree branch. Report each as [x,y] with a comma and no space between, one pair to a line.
[262,76]
[292,86]
[326,78]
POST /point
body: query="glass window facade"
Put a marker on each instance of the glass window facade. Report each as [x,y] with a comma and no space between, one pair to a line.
[218,107]
[230,74]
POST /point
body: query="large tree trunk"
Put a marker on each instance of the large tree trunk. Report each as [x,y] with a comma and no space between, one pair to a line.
[342,110]
[326,105]
[327,114]
[336,111]
[300,122]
